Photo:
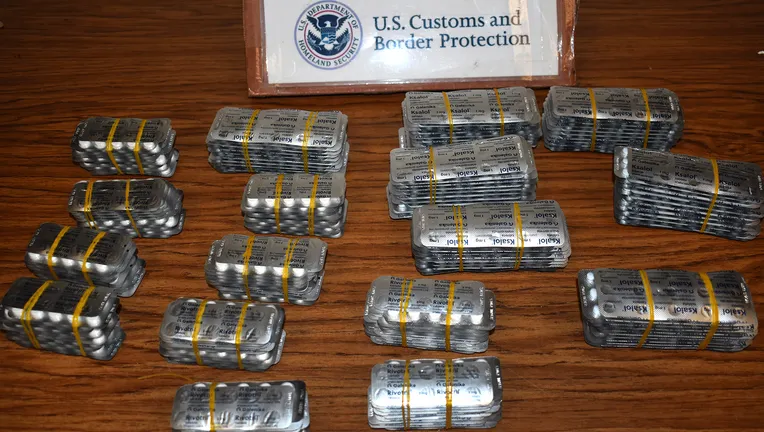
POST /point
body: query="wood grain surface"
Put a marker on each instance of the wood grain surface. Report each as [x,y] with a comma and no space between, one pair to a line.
[63,61]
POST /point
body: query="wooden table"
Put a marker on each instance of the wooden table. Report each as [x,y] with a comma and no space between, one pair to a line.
[63,61]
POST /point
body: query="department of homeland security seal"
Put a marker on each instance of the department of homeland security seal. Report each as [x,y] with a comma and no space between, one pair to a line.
[328,35]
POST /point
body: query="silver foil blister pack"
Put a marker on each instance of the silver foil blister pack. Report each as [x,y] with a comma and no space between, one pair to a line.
[441,118]
[222,334]
[277,406]
[86,256]
[430,314]
[151,208]
[494,170]
[125,146]
[296,204]
[490,237]
[244,140]
[266,268]
[666,309]
[601,119]
[62,317]
[688,193]
[436,394]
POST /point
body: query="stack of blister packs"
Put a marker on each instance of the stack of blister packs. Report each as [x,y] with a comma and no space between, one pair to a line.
[439,118]
[270,269]
[600,119]
[296,204]
[686,193]
[666,309]
[279,406]
[151,208]
[490,237]
[278,141]
[63,317]
[436,394]
[495,170]
[116,146]
[430,314]
[222,334]
[86,256]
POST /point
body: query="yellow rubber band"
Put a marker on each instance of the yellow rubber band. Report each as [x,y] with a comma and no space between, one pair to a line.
[714,311]
[449,311]
[197,330]
[110,146]
[245,270]
[89,252]
[650,307]
[137,149]
[459,223]
[285,272]
[76,318]
[649,117]
[128,209]
[450,113]
[52,251]
[432,172]
[87,207]
[277,202]
[594,119]
[449,392]
[239,330]
[213,427]
[312,208]
[519,236]
[306,137]
[26,313]
[245,141]
[501,109]
[406,397]
[406,289]
[716,195]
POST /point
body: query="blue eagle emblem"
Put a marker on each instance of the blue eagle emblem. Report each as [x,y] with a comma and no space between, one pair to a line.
[328,34]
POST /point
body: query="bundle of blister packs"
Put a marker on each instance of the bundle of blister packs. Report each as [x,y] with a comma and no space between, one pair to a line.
[440,118]
[436,394]
[117,146]
[666,309]
[495,170]
[63,317]
[687,193]
[221,334]
[270,269]
[278,141]
[278,406]
[151,208]
[600,119]
[86,256]
[296,204]
[490,237]
[430,314]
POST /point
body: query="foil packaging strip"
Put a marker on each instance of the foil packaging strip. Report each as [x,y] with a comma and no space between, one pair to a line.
[436,394]
[601,119]
[440,118]
[424,314]
[62,317]
[150,208]
[494,170]
[244,140]
[107,146]
[490,237]
[688,193]
[666,309]
[296,204]
[109,260]
[276,406]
